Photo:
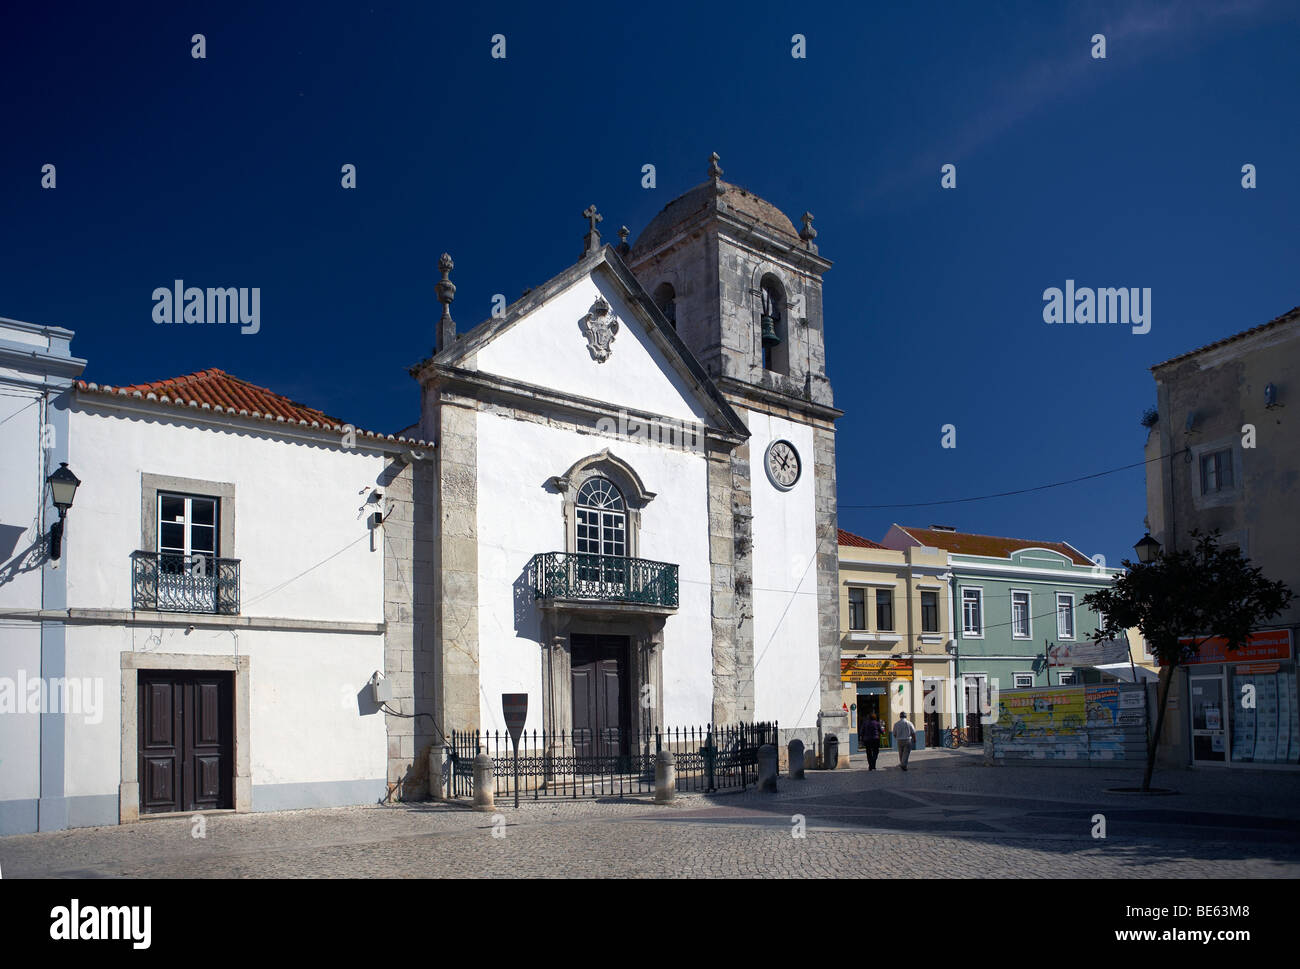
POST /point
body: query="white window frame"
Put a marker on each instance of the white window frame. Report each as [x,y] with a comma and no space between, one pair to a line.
[1074,620]
[1220,489]
[1066,678]
[1029,613]
[979,593]
[1017,685]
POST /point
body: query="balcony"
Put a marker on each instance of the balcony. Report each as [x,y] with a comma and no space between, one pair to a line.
[581,577]
[166,582]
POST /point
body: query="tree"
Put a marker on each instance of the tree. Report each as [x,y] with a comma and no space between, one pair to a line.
[1180,601]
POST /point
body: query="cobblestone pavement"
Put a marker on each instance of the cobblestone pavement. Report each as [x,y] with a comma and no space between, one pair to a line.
[948,816]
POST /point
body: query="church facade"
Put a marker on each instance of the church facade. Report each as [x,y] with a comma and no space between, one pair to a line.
[619,499]
[635,478]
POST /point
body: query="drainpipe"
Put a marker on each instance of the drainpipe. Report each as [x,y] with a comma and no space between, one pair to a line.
[954,667]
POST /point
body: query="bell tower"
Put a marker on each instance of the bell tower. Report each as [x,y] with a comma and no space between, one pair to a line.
[743,289]
[742,285]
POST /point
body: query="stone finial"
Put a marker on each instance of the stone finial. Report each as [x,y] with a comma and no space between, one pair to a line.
[623,248]
[715,170]
[592,239]
[808,233]
[446,290]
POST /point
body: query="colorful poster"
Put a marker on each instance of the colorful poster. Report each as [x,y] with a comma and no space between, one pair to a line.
[1045,711]
[1102,704]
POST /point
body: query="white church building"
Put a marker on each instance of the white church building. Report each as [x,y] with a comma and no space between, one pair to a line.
[619,499]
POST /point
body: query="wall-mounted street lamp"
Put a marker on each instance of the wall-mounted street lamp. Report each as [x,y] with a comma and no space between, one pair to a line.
[63,488]
[1147,549]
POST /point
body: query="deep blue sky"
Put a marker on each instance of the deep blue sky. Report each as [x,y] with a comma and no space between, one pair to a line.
[1115,172]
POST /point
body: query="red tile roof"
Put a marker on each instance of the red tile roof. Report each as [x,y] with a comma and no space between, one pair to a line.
[223,393]
[966,543]
[1290,316]
[857,541]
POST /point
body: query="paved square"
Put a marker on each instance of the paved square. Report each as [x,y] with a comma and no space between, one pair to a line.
[949,816]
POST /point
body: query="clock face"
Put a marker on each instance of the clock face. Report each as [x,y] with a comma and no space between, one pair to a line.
[783,466]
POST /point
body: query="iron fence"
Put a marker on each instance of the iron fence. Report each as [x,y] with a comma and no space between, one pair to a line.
[707,758]
[167,582]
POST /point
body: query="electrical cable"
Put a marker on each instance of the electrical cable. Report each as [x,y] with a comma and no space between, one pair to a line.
[1005,494]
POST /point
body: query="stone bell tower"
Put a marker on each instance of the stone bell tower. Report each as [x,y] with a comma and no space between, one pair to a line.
[743,288]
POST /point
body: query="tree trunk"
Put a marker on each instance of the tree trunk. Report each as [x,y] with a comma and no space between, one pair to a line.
[1166,684]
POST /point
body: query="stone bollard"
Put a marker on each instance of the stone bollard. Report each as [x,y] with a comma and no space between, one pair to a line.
[796,760]
[767,767]
[665,777]
[484,784]
[436,789]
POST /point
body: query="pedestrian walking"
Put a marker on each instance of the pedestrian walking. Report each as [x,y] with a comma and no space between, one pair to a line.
[872,730]
[904,733]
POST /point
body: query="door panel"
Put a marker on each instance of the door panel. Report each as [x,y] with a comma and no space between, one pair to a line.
[599,680]
[186,741]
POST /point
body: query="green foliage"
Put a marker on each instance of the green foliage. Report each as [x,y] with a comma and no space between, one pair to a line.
[1200,593]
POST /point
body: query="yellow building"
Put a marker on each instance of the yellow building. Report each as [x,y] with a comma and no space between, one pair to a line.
[895,637]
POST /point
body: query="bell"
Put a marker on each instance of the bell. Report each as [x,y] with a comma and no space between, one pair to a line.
[770,339]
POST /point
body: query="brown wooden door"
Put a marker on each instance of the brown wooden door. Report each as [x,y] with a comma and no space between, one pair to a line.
[186,741]
[930,706]
[976,694]
[599,679]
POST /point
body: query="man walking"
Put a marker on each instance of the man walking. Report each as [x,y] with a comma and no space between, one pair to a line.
[871,731]
[904,734]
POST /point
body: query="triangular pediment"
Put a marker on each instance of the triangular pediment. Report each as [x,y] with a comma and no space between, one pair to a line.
[592,333]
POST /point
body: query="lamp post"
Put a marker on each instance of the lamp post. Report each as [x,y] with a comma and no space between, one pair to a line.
[1147,549]
[63,488]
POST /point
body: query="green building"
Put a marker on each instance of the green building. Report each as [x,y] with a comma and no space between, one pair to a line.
[1013,599]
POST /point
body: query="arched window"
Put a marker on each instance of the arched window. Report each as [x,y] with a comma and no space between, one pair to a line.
[601,519]
[772,320]
[665,298]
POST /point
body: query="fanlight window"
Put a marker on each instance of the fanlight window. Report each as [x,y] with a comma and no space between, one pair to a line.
[602,519]
[602,531]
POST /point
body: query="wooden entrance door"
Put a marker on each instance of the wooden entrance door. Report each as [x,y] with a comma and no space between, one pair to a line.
[930,707]
[600,694]
[976,700]
[186,740]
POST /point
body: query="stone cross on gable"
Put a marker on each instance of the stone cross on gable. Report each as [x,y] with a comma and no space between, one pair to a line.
[592,238]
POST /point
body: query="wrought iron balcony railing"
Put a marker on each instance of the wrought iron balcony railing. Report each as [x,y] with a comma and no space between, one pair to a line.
[166,582]
[606,578]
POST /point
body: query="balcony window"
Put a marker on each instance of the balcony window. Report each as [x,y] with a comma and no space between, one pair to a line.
[884,610]
[1216,472]
[972,612]
[1020,623]
[1064,615]
[857,609]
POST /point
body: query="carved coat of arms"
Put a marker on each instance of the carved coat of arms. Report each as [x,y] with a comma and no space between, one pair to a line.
[600,325]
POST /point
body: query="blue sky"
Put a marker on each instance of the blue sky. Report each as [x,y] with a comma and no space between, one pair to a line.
[1117,172]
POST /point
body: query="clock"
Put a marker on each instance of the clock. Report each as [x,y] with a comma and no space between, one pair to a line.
[783,465]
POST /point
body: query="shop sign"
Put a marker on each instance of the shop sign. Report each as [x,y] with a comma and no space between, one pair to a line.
[1088,653]
[874,670]
[1267,644]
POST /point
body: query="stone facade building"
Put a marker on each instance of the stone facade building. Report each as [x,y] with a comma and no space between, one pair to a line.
[1222,453]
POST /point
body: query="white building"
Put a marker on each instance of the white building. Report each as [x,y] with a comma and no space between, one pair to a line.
[627,512]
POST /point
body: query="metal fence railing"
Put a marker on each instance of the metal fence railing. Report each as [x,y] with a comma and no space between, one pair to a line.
[578,575]
[618,763]
[167,582]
